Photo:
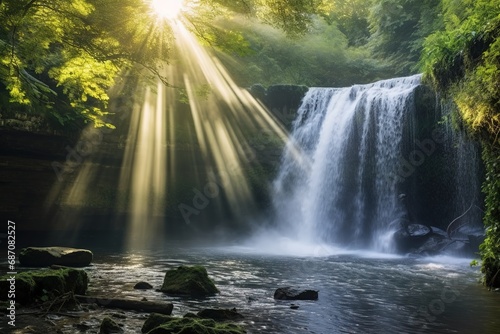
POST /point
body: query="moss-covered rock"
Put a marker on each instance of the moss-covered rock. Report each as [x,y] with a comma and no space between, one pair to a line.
[47,256]
[155,320]
[24,287]
[220,314]
[44,284]
[109,326]
[158,324]
[188,281]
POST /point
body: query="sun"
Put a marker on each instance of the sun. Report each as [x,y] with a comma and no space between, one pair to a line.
[167,9]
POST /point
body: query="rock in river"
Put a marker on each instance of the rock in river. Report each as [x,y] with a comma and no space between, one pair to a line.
[47,256]
[289,293]
[109,326]
[188,281]
[220,314]
[39,284]
[160,324]
[143,286]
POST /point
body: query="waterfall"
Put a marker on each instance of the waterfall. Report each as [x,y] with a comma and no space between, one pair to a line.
[336,183]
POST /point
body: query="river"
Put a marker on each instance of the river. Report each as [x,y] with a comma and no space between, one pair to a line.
[359,292]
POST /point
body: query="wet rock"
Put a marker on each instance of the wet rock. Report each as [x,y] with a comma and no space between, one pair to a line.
[220,314]
[109,326]
[438,231]
[45,284]
[434,244]
[294,307]
[289,293]
[188,281]
[119,316]
[47,256]
[411,237]
[83,326]
[155,320]
[158,324]
[143,286]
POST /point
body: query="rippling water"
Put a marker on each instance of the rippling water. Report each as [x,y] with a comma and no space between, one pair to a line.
[358,292]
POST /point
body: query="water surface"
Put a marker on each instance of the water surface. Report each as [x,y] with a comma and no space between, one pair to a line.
[358,292]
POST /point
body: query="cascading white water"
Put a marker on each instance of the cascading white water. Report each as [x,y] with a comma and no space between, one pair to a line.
[339,189]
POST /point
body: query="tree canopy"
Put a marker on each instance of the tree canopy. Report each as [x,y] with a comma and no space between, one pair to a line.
[61,57]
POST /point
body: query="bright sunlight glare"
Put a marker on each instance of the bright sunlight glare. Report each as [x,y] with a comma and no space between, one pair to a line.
[167,9]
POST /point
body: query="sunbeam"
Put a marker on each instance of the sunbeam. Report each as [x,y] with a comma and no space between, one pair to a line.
[167,9]
[191,138]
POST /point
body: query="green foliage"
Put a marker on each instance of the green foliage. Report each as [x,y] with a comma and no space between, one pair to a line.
[399,28]
[463,62]
[490,249]
[321,57]
[57,60]
[60,58]
[293,16]
[351,18]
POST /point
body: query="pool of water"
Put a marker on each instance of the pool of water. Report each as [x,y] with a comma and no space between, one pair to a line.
[358,292]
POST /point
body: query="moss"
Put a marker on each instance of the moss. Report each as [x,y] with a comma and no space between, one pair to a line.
[47,256]
[108,326]
[189,326]
[188,281]
[155,320]
[44,284]
[463,62]
[24,288]
[220,314]
[490,249]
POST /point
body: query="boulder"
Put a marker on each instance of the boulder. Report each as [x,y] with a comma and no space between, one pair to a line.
[220,314]
[109,326]
[143,286]
[47,256]
[434,245]
[188,281]
[160,324]
[289,293]
[155,320]
[411,237]
[45,284]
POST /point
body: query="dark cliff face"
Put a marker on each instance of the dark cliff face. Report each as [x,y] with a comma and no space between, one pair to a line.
[441,169]
[40,175]
[282,101]
[27,175]
[39,172]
